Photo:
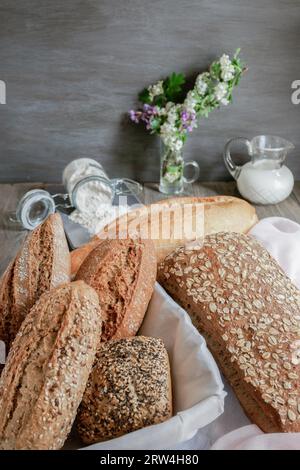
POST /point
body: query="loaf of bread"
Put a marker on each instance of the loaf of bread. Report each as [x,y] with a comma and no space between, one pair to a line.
[47,368]
[129,388]
[249,312]
[42,263]
[123,273]
[170,223]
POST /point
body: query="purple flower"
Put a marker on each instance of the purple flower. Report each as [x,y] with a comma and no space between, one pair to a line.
[135,116]
[184,116]
[148,113]
[187,120]
[149,110]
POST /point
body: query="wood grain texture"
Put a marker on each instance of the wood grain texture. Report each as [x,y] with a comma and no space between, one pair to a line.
[11,235]
[73,68]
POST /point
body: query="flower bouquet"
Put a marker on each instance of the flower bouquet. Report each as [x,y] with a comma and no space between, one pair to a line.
[172,116]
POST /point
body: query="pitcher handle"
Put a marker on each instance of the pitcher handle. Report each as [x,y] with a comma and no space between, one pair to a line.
[234,169]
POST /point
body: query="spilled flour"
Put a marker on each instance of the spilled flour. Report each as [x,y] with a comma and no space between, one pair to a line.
[97,216]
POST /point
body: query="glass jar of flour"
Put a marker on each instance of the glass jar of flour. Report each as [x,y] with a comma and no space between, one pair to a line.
[87,188]
[88,185]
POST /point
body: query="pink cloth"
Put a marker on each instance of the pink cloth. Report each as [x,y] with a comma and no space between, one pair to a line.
[281,237]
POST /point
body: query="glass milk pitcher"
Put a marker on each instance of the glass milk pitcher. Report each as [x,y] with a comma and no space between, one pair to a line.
[264,179]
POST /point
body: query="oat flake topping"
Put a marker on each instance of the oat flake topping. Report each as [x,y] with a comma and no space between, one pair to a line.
[250,302]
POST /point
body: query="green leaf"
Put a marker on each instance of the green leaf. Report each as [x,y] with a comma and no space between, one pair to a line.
[173,169]
[155,124]
[159,100]
[215,70]
[144,96]
[173,86]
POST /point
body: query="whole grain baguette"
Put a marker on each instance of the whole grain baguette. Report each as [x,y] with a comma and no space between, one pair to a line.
[47,368]
[249,312]
[123,273]
[129,388]
[42,263]
[212,214]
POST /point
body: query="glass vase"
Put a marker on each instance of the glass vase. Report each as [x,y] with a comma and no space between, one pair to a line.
[172,165]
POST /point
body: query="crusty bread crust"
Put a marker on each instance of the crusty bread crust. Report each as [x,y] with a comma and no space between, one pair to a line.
[47,368]
[42,263]
[221,213]
[6,304]
[248,311]
[129,388]
[123,273]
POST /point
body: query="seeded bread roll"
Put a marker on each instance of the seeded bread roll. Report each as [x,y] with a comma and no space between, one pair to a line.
[249,312]
[42,263]
[129,388]
[47,369]
[123,273]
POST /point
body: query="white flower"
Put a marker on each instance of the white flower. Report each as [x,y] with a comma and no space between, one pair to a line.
[190,102]
[201,85]
[191,95]
[224,101]
[227,69]
[161,111]
[156,89]
[178,144]
[173,143]
[169,105]
[172,115]
[167,129]
[227,74]
[220,91]
[170,138]
[225,61]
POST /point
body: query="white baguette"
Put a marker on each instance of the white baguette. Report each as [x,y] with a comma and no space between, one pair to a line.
[220,213]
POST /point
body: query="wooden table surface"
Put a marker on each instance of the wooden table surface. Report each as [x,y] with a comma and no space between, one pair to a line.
[11,235]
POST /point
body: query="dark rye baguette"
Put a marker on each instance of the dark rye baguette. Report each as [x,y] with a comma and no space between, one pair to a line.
[123,273]
[42,263]
[47,368]
[249,312]
[129,388]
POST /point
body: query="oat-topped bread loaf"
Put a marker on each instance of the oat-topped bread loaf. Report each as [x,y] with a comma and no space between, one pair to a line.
[249,313]
[123,273]
[47,368]
[43,262]
[129,388]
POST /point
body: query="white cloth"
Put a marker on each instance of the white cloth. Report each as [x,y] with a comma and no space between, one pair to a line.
[281,237]
[252,438]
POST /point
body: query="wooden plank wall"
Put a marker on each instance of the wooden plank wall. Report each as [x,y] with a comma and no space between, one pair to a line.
[73,68]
